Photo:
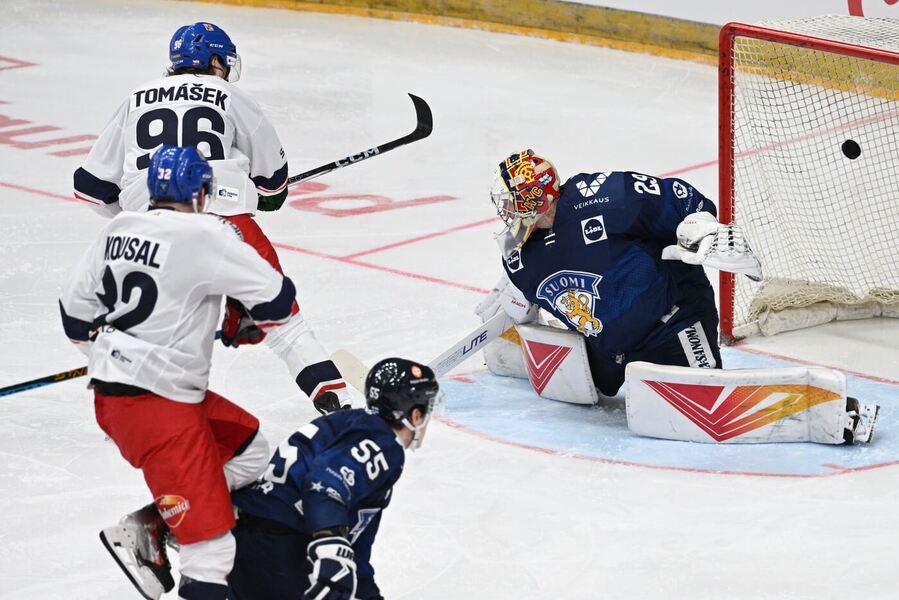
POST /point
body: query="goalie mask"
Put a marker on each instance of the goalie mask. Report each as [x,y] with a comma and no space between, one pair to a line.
[525,186]
[395,387]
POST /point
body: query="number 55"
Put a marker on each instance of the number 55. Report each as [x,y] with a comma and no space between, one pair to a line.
[373,464]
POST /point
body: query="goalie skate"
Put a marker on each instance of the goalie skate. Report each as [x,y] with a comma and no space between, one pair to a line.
[137,544]
[862,417]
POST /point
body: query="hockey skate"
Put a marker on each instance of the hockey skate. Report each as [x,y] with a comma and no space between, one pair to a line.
[860,426]
[137,544]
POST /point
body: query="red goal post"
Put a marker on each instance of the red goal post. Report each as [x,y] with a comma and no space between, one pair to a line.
[809,166]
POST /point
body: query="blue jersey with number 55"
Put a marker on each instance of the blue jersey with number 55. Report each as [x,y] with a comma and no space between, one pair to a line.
[338,470]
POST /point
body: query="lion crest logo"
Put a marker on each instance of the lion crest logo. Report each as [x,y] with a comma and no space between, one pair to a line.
[573,295]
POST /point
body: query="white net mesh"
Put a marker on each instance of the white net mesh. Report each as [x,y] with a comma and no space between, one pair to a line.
[816,168]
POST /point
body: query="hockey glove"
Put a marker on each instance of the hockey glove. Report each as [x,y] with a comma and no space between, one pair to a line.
[333,574]
[702,240]
[328,402]
[506,297]
[272,203]
[237,326]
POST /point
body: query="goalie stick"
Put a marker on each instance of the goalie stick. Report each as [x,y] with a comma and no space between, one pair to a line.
[423,128]
[355,371]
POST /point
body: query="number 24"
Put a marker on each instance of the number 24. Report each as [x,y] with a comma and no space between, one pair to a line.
[646,184]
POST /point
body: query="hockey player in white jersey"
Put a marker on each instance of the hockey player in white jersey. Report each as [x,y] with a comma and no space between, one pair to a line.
[143,304]
[197,105]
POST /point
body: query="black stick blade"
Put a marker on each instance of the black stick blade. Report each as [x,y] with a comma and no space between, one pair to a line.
[424,116]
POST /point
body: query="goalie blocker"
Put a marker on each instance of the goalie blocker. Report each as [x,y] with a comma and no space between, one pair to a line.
[793,404]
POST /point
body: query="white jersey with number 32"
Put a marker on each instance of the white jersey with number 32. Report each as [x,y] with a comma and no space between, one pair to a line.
[158,279]
[225,123]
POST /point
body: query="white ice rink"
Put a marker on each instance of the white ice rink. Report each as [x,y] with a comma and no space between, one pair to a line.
[504,509]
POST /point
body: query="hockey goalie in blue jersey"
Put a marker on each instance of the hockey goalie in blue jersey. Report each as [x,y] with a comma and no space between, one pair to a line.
[616,257]
[306,528]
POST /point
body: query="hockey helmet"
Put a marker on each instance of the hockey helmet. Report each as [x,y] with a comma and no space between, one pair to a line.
[178,174]
[525,186]
[193,46]
[395,386]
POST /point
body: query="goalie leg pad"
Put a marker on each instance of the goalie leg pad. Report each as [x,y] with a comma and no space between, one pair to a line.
[795,404]
[503,356]
[557,364]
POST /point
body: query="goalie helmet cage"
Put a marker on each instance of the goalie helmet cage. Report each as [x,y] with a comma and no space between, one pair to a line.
[809,166]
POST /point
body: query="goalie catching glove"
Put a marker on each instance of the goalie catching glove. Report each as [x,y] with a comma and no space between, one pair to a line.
[333,574]
[702,240]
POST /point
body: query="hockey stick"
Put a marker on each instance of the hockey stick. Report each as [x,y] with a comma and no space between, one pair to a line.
[55,378]
[469,344]
[42,381]
[352,369]
[355,371]
[425,124]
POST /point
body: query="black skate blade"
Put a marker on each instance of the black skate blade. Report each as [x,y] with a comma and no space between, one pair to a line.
[168,584]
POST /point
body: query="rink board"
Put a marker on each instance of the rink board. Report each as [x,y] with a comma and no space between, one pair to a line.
[507,410]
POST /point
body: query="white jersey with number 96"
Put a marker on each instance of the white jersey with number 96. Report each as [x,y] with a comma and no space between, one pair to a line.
[224,122]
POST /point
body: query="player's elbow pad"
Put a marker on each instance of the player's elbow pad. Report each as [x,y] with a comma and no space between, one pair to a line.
[277,309]
[76,329]
[92,189]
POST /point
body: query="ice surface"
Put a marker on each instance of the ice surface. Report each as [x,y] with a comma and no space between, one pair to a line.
[487,509]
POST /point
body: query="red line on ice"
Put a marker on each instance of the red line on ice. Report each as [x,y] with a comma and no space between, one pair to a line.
[22,188]
[367,265]
[421,238]
[877,378]
[15,63]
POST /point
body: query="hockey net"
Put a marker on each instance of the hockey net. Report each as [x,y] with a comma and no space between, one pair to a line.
[809,158]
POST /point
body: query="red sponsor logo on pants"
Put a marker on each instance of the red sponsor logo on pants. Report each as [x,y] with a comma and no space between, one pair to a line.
[172,508]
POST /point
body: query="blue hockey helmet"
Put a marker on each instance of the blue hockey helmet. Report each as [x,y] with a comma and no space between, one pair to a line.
[178,174]
[193,46]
